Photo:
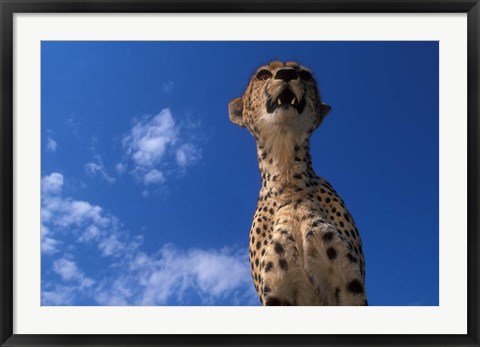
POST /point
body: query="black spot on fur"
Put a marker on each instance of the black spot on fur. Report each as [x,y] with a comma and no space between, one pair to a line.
[273,302]
[355,287]
[327,236]
[351,258]
[259,244]
[283,264]
[269,266]
[332,253]
[279,249]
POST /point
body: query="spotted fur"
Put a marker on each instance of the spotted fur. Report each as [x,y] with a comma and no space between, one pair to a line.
[305,248]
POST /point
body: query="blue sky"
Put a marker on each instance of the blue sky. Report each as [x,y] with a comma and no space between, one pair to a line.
[148,190]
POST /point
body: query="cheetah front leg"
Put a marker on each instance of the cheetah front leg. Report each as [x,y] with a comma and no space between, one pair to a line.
[331,266]
[284,281]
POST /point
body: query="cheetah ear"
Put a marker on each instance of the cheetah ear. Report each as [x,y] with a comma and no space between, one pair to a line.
[235,110]
[324,109]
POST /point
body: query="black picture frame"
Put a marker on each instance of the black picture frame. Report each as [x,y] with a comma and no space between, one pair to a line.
[7,10]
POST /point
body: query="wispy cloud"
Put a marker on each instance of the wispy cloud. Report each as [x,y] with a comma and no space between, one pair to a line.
[68,271]
[97,167]
[167,87]
[120,168]
[187,155]
[149,138]
[156,145]
[73,284]
[51,145]
[153,176]
[131,276]
[52,184]
[87,222]
[59,295]
[175,275]
[49,245]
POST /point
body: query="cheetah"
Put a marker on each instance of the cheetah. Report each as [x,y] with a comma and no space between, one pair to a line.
[305,248]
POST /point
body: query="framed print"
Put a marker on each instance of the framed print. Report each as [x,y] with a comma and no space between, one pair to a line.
[169,169]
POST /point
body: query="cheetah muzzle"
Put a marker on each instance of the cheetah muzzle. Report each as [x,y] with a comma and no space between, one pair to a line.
[284,100]
[305,248]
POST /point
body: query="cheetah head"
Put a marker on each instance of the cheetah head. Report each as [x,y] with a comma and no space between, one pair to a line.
[282,98]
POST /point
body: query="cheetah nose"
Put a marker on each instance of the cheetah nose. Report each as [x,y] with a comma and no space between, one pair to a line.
[286,74]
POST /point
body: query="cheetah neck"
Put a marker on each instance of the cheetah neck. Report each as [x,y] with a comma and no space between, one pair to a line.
[284,162]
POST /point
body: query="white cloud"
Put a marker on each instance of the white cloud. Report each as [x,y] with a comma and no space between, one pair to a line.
[119,293]
[75,212]
[52,184]
[131,276]
[149,138]
[121,168]
[68,270]
[111,245]
[187,154]
[173,274]
[88,222]
[90,233]
[157,147]
[74,284]
[59,295]
[153,176]
[48,245]
[51,144]
[97,167]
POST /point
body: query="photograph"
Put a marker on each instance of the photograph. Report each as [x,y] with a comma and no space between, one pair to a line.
[239,173]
